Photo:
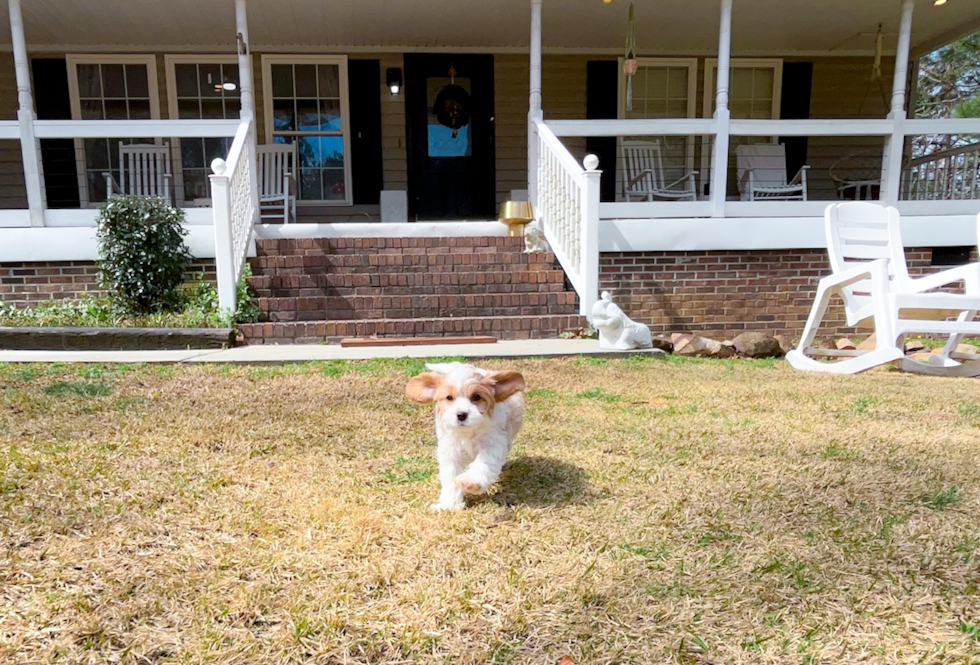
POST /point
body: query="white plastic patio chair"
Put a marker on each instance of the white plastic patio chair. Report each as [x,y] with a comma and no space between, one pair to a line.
[144,170]
[762,174]
[277,190]
[870,274]
[643,168]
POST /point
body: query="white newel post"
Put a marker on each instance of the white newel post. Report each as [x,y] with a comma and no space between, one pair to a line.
[29,147]
[247,95]
[224,262]
[590,236]
[534,106]
[723,116]
[891,176]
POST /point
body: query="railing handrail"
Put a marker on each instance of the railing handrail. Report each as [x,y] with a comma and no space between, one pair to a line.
[632,127]
[9,130]
[568,161]
[135,129]
[237,147]
[941,154]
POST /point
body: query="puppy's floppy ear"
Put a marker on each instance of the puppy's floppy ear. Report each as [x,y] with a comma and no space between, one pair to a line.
[422,388]
[506,384]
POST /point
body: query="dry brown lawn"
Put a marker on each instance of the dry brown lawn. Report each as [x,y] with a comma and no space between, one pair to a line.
[653,511]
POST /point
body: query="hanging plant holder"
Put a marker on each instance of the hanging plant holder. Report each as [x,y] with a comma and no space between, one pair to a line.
[630,63]
[452,108]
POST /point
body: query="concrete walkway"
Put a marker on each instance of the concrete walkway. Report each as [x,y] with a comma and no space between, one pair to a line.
[306,352]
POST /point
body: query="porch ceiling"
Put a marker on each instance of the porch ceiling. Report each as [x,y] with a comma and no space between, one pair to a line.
[686,26]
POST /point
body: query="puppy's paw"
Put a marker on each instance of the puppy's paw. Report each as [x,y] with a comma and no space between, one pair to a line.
[470,486]
[447,505]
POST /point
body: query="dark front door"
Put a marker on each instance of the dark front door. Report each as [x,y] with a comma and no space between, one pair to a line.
[449,111]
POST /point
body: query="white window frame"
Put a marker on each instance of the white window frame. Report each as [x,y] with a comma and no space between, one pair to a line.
[692,100]
[73,60]
[710,65]
[170,73]
[341,61]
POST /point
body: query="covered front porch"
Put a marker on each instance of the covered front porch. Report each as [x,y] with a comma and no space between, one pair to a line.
[711,77]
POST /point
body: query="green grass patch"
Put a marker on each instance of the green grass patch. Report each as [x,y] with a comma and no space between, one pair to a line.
[600,394]
[78,389]
[941,499]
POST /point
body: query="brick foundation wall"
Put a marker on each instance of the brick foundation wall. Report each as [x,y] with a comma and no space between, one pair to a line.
[24,284]
[727,292]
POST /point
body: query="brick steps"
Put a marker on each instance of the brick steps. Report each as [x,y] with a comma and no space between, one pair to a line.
[418,306]
[312,290]
[501,327]
[421,283]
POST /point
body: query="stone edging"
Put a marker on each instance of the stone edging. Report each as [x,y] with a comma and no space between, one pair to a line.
[114,339]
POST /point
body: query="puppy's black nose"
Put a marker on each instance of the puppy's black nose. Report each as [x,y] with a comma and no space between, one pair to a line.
[461,416]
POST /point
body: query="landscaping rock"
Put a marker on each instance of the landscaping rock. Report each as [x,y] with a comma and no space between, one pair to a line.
[663,343]
[784,344]
[845,344]
[758,345]
[686,344]
[968,349]
[913,347]
[868,344]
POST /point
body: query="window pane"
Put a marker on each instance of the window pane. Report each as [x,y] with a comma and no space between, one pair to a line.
[330,115]
[97,153]
[188,109]
[283,115]
[115,109]
[195,184]
[210,76]
[309,152]
[308,115]
[741,82]
[92,109]
[762,83]
[215,148]
[113,81]
[677,86]
[657,82]
[212,109]
[192,153]
[89,82]
[186,76]
[282,80]
[139,109]
[332,151]
[333,184]
[305,80]
[309,185]
[137,84]
[329,76]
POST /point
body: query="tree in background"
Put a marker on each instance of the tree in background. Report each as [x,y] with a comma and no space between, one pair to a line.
[949,87]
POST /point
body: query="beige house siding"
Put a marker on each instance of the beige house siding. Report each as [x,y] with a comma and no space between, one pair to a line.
[12,191]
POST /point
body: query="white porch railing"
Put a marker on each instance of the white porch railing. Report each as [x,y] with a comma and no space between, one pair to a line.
[236,210]
[567,200]
[952,174]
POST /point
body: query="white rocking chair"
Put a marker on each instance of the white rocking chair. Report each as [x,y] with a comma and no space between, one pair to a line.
[869,272]
[644,175]
[277,188]
[144,170]
[762,174]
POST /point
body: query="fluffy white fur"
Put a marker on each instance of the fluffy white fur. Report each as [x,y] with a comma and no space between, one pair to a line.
[478,414]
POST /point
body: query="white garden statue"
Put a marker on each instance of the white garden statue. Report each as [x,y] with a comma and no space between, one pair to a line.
[616,330]
[534,240]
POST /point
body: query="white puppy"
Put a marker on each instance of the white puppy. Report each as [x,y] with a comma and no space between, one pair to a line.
[478,414]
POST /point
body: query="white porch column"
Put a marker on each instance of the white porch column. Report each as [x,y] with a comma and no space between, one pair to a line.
[891,176]
[723,116]
[534,106]
[29,147]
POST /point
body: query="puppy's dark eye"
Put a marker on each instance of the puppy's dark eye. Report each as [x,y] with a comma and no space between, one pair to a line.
[476,398]
[449,398]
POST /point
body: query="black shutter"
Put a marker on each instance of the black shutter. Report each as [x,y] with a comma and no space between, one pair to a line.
[364,92]
[795,105]
[57,155]
[602,103]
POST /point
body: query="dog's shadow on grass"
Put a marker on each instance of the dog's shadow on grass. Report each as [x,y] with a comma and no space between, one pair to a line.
[541,482]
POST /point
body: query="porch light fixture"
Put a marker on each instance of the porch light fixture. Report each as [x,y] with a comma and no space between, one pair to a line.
[393,79]
[939,3]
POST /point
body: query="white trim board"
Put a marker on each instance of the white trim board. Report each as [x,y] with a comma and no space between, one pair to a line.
[79,244]
[459,229]
[765,233]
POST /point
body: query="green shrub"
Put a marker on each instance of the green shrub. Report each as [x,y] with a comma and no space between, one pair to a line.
[142,256]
